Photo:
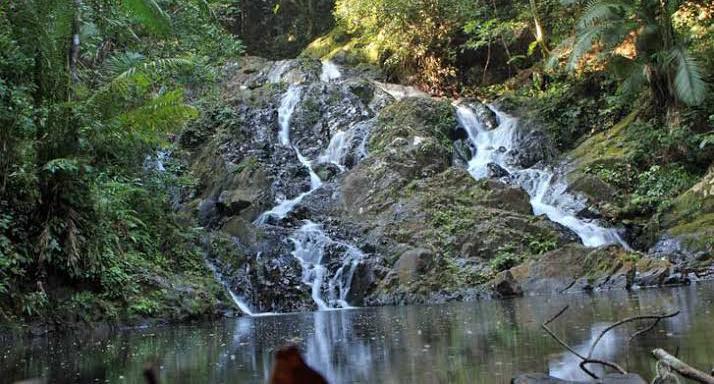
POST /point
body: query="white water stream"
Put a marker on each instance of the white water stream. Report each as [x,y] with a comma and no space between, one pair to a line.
[548,194]
[237,300]
[311,244]
[330,71]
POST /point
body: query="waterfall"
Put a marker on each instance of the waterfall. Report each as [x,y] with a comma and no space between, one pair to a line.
[285,112]
[237,300]
[278,70]
[315,181]
[343,142]
[330,71]
[311,243]
[548,193]
[337,149]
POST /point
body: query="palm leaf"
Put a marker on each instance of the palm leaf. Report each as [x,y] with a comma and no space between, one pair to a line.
[149,14]
[582,45]
[689,84]
[598,10]
[630,72]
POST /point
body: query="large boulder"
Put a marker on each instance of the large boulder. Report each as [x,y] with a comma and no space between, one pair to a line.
[413,263]
[504,285]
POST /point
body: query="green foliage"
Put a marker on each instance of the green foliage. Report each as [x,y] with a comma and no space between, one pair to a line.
[78,207]
[658,185]
[414,38]
[149,14]
[539,245]
[661,56]
[505,259]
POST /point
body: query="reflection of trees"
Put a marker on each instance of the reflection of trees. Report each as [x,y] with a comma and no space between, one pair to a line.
[485,342]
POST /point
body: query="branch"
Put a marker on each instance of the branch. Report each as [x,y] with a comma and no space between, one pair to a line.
[682,368]
[585,360]
[656,319]
[558,339]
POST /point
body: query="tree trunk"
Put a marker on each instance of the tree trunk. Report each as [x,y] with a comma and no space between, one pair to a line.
[539,33]
[74,45]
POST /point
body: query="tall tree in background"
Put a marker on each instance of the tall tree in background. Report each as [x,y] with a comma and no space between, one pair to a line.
[661,57]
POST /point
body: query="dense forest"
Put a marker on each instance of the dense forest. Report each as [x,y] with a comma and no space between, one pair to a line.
[106,104]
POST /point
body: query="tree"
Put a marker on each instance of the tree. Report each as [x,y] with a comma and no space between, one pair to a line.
[661,57]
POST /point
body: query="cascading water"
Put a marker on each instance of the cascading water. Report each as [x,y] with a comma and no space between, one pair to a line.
[237,300]
[330,71]
[285,112]
[311,243]
[548,194]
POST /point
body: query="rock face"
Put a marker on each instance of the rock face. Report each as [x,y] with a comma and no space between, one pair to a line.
[321,189]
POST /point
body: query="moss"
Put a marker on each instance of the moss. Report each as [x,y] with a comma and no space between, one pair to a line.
[609,144]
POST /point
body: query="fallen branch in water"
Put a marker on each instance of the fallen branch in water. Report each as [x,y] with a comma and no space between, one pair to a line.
[656,318]
[682,368]
[585,360]
[589,358]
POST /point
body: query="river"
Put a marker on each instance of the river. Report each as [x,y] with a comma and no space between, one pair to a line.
[481,342]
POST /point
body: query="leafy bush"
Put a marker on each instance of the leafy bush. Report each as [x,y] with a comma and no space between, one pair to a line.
[505,259]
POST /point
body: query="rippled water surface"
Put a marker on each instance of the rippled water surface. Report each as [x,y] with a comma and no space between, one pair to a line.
[483,342]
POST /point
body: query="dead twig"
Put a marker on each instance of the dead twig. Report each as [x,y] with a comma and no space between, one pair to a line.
[606,363]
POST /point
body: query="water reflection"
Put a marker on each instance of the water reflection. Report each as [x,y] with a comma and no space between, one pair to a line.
[485,342]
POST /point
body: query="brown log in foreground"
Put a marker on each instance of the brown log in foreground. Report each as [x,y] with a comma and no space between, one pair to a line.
[682,368]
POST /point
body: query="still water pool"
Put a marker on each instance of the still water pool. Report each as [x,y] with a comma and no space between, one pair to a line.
[482,342]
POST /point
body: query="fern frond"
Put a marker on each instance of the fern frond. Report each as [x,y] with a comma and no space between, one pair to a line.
[583,44]
[157,66]
[689,84]
[598,10]
[161,114]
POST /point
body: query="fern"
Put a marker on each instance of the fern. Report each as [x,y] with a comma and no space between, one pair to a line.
[159,115]
[689,85]
[582,45]
[599,10]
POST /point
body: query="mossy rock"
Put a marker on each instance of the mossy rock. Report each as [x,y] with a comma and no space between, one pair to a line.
[414,117]
[690,218]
